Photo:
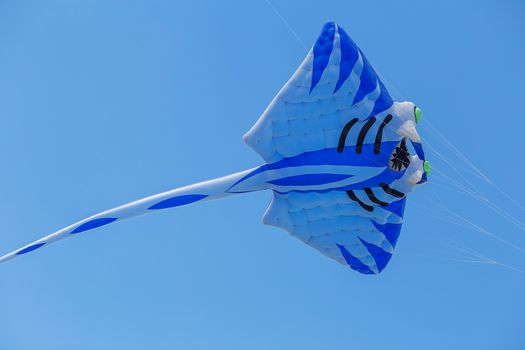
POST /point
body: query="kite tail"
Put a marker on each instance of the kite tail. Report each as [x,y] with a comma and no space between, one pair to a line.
[199,192]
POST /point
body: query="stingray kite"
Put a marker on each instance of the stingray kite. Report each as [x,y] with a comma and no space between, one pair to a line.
[339,156]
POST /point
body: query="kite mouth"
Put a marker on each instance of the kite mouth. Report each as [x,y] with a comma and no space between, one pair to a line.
[400,158]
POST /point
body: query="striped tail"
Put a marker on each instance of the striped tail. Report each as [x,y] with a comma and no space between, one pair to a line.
[203,191]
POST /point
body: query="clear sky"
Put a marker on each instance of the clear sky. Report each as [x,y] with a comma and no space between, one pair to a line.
[103,102]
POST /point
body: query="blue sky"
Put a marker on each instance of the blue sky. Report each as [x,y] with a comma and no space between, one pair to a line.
[104,102]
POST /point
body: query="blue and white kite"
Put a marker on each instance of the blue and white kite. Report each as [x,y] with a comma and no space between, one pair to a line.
[340,157]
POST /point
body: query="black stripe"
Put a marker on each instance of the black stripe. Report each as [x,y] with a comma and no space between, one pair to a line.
[344,134]
[353,197]
[373,198]
[391,191]
[362,134]
[379,135]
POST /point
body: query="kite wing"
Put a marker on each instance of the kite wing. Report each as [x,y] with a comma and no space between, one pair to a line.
[334,84]
[339,228]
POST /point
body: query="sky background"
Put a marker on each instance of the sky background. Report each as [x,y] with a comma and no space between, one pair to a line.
[105,102]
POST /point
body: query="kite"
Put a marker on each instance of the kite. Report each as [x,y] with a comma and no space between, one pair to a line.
[340,156]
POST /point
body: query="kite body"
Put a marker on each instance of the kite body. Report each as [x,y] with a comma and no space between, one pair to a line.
[337,159]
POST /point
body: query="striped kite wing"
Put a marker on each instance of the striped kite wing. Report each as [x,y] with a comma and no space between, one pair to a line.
[334,84]
[340,228]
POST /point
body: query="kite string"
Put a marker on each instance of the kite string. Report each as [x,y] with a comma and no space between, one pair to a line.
[472,168]
[286,24]
[473,253]
[447,215]
[474,191]
[470,255]
[444,140]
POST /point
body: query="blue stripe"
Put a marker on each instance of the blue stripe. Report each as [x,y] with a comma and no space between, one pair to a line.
[30,248]
[391,231]
[369,78]
[349,57]
[387,176]
[423,179]
[93,224]
[322,50]
[383,102]
[354,262]
[368,81]
[332,157]
[380,256]
[418,147]
[178,201]
[397,207]
[309,179]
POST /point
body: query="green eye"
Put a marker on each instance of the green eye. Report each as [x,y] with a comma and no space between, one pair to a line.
[418,114]
[426,167]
